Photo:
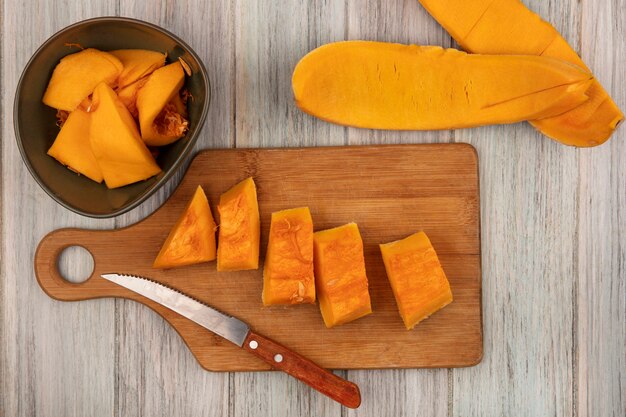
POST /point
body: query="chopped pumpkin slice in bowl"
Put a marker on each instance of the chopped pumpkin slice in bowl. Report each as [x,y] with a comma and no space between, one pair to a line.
[60,78]
[72,148]
[115,141]
[77,75]
[160,121]
[137,63]
[132,84]
[128,95]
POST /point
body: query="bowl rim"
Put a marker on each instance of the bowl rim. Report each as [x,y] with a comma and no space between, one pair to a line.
[179,160]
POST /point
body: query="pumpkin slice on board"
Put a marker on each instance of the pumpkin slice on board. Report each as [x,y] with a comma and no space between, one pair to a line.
[340,279]
[192,239]
[72,147]
[509,27]
[115,141]
[417,279]
[240,228]
[288,270]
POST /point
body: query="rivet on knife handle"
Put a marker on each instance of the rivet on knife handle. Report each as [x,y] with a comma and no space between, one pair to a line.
[283,359]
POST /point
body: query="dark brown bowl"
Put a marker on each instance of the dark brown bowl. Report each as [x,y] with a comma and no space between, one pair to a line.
[35,123]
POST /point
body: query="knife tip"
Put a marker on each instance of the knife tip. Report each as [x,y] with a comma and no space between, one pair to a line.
[109,277]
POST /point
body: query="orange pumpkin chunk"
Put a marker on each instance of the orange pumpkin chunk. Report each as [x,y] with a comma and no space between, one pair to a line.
[137,63]
[288,273]
[72,147]
[122,156]
[179,105]
[159,120]
[77,75]
[128,95]
[417,279]
[340,277]
[192,239]
[240,228]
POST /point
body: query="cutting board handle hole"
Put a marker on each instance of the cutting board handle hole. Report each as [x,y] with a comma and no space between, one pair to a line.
[75,264]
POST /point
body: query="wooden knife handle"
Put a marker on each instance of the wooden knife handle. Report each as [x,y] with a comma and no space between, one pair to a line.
[283,359]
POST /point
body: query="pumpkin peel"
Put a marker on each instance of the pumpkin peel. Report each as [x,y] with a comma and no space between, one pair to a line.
[407,87]
[509,27]
[562,97]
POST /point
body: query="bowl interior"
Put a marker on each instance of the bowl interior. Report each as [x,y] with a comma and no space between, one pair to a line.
[35,122]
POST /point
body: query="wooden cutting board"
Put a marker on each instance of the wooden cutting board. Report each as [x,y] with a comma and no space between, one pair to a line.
[390,191]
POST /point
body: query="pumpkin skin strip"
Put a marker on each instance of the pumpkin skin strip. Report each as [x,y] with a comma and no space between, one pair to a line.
[340,278]
[192,239]
[288,269]
[417,279]
[407,87]
[239,229]
[509,27]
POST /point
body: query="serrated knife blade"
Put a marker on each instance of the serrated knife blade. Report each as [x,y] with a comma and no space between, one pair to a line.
[230,328]
[239,333]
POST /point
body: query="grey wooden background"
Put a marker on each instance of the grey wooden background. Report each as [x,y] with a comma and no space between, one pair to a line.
[553,232]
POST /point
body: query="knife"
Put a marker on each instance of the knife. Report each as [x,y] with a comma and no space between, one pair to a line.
[239,333]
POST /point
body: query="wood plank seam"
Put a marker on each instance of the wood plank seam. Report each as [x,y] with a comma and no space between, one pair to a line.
[233,75]
[3,337]
[116,357]
[575,266]
[117,313]
[575,295]
[233,143]
[451,371]
[231,394]
[344,374]
[576,247]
